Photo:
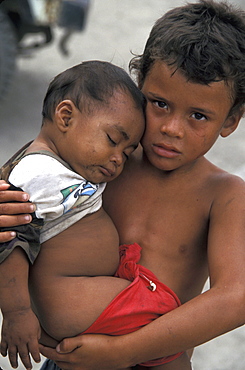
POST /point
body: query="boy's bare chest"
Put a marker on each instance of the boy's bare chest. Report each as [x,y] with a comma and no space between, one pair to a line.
[168,219]
[159,209]
[171,226]
[180,223]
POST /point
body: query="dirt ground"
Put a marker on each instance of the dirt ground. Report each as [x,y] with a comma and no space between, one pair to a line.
[114,29]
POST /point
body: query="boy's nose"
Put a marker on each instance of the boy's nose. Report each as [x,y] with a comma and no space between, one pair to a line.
[173,126]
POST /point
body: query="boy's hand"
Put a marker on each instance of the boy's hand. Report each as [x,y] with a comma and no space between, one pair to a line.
[12,214]
[88,352]
[20,334]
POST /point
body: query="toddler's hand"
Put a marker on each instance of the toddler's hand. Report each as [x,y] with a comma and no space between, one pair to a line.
[20,334]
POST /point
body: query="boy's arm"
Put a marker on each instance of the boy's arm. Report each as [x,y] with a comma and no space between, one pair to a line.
[205,317]
[20,329]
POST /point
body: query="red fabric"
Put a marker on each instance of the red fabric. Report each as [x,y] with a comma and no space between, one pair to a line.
[136,305]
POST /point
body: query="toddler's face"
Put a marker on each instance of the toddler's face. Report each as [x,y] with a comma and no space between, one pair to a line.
[99,144]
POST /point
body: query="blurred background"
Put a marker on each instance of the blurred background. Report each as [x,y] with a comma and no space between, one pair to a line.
[114,29]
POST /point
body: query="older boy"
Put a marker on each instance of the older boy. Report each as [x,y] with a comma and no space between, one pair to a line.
[187,214]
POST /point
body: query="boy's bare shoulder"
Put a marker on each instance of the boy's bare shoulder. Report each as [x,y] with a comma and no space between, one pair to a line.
[225,180]
[228,190]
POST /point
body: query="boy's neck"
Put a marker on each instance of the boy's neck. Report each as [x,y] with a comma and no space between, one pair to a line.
[188,170]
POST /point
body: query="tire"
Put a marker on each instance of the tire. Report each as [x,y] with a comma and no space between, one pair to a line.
[8,52]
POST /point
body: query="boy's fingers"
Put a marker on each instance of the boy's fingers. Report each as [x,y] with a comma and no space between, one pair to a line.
[48,352]
[12,195]
[7,236]
[4,185]
[61,360]
[52,354]
[10,221]
[16,208]
[68,345]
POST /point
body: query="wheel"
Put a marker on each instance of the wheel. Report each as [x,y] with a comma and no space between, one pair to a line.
[8,52]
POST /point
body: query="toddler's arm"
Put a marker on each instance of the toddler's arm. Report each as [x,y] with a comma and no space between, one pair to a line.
[20,329]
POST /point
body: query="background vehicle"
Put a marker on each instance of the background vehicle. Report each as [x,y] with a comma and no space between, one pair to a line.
[19,18]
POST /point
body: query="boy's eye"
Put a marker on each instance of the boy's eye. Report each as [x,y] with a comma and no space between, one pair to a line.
[199,116]
[160,104]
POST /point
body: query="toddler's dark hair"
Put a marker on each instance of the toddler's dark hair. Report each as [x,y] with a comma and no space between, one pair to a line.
[205,40]
[89,85]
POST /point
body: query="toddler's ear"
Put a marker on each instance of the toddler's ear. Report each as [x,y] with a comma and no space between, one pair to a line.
[231,124]
[63,114]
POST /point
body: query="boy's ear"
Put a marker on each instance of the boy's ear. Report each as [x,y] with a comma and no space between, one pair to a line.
[231,124]
[64,113]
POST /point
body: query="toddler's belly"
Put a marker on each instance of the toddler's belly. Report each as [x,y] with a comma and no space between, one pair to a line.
[70,281]
[67,306]
[90,247]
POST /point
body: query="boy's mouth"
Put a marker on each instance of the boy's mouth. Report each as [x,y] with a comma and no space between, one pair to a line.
[164,150]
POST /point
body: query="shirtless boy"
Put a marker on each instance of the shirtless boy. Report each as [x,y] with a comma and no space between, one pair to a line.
[93,119]
[187,214]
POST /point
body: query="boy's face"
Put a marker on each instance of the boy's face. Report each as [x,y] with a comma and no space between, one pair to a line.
[97,145]
[183,119]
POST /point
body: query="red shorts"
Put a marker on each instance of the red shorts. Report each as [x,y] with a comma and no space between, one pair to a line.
[144,300]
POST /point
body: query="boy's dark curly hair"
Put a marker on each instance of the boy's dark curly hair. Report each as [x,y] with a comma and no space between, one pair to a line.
[205,40]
